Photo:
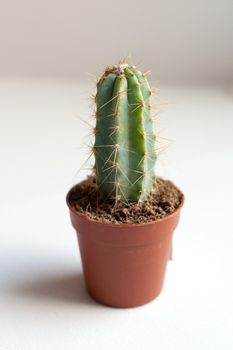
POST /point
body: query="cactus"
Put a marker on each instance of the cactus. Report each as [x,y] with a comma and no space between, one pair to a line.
[124,146]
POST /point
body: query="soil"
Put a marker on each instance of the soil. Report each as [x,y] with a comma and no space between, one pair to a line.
[163,200]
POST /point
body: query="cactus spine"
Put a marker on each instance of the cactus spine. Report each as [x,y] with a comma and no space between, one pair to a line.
[124,139]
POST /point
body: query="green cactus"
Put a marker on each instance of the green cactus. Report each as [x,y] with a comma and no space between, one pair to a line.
[124,139]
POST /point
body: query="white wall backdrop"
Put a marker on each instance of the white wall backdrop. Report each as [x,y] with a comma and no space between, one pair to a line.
[182,40]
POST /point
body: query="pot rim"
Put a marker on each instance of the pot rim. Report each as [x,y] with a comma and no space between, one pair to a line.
[121,225]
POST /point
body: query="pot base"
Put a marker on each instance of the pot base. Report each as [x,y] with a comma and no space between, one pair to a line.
[124,304]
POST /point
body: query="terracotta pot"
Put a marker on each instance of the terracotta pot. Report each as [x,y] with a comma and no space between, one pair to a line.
[124,264]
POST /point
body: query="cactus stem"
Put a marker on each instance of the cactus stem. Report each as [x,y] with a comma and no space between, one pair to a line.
[110,156]
[151,140]
[144,176]
[146,156]
[137,171]
[106,177]
[109,115]
[138,179]
[143,134]
[114,165]
[115,129]
[122,140]
[142,160]
[118,196]
[126,201]
[112,99]
[111,167]
[109,101]
[113,162]
[149,135]
[141,105]
[95,153]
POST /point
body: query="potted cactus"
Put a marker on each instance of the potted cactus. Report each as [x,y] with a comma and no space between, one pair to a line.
[123,214]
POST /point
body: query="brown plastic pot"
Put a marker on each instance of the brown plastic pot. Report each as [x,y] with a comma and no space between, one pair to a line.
[124,264]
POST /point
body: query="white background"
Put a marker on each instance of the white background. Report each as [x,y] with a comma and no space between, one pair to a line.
[178,40]
[44,94]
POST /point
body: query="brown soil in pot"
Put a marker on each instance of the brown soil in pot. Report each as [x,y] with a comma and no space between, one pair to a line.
[164,200]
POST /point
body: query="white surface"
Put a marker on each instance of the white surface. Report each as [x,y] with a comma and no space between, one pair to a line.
[43,304]
[184,40]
